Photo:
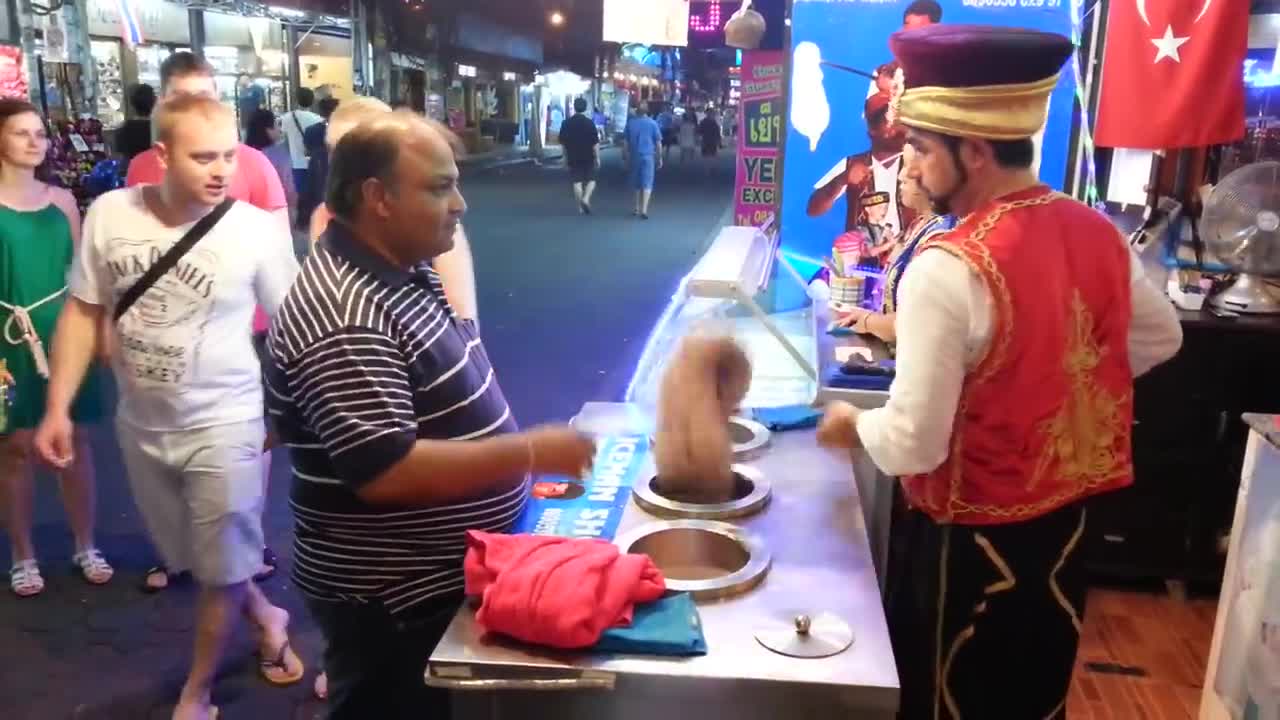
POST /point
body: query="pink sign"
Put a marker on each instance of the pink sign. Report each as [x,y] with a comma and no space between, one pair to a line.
[759,135]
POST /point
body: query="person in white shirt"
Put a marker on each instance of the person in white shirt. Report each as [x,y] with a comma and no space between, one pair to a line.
[190,418]
[1019,334]
[294,124]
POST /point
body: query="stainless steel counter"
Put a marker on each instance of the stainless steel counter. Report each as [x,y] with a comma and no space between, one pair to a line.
[875,489]
[821,562]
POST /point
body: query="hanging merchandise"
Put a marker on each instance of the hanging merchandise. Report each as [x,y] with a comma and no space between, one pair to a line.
[1172,74]
[54,27]
[13,78]
[77,152]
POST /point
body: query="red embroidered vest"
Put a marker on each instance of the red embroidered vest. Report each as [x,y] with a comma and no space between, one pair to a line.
[1045,416]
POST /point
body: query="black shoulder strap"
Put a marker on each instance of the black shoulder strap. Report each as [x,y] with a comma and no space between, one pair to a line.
[170,258]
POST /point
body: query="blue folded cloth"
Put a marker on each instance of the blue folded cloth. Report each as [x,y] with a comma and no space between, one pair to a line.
[789,417]
[668,626]
[838,379]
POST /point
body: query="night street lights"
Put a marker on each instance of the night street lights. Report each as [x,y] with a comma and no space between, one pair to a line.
[557,18]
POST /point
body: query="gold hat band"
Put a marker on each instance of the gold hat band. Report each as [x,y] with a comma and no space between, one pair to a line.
[990,112]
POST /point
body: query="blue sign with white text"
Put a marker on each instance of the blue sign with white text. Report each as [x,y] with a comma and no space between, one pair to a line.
[841,155]
[590,508]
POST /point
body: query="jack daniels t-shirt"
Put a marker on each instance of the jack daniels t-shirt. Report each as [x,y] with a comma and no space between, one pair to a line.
[183,356]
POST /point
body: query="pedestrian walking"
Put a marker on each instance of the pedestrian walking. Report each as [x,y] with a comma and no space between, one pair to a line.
[255,182]
[293,125]
[581,142]
[643,152]
[39,228]
[712,137]
[688,136]
[190,420]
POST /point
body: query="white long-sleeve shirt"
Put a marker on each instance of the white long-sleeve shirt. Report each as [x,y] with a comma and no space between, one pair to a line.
[944,324]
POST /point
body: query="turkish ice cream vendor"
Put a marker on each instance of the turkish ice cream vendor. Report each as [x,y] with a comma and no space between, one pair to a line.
[1019,334]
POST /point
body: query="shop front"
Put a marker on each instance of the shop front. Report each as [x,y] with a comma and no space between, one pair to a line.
[560,89]
[491,66]
[165,28]
[417,84]
[250,54]
[325,63]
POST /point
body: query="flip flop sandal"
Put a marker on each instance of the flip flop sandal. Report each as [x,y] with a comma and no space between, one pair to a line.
[321,688]
[266,666]
[158,570]
[25,579]
[270,562]
[93,567]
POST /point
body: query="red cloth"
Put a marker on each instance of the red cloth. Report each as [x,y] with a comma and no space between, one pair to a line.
[255,182]
[555,591]
[1045,417]
[1173,74]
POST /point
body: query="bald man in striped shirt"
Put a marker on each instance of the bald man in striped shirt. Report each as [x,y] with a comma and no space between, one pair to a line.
[400,435]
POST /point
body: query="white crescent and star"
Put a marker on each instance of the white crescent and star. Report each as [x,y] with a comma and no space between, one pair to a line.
[1167,46]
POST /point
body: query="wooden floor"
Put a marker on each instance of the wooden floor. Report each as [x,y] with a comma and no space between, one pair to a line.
[1155,649]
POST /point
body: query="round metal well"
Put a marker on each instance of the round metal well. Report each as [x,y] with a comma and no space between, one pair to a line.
[748,436]
[707,559]
[751,492]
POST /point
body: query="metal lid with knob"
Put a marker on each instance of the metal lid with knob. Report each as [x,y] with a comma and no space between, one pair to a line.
[805,635]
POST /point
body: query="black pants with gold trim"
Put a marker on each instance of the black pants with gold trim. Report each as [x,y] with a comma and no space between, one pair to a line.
[985,620]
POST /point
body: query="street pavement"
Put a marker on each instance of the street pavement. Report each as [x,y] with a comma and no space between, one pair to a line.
[566,303]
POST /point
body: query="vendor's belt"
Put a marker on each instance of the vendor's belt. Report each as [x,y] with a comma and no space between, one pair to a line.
[18,330]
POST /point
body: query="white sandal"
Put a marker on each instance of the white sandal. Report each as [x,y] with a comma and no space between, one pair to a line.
[93,566]
[25,579]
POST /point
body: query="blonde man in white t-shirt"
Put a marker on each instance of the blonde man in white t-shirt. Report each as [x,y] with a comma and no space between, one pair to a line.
[190,420]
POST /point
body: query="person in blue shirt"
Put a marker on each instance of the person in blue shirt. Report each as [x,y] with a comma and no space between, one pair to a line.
[643,154]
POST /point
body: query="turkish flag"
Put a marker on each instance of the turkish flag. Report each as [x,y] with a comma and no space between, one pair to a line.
[1173,73]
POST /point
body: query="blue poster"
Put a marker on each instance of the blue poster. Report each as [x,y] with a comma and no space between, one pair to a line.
[593,507]
[840,71]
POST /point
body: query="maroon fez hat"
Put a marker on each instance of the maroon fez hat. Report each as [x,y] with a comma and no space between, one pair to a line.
[976,80]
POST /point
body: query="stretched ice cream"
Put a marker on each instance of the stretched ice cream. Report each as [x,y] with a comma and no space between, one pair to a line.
[704,383]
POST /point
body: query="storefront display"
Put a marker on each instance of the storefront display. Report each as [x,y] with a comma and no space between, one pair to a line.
[110,77]
[253,48]
[79,161]
[324,61]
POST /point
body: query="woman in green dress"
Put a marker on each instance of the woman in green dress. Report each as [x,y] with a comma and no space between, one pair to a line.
[39,228]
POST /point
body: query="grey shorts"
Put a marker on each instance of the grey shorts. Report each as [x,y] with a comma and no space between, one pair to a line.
[200,495]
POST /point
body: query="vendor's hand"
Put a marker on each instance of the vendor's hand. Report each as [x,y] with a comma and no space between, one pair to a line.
[838,429]
[5,377]
[853,318]
[560,451]
[53,440]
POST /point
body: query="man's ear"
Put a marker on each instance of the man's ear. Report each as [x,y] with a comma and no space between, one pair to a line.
[975,153]
[375,195]
[162,154]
